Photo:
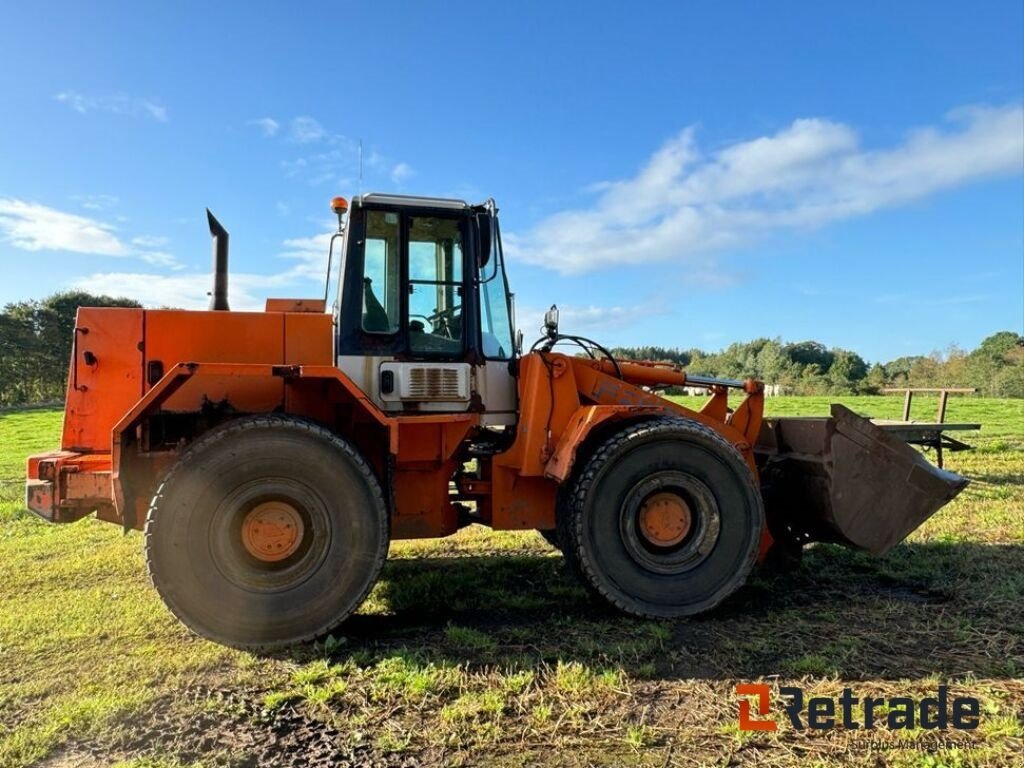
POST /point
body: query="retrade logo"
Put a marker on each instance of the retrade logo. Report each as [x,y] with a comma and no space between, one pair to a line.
[851,712]
[762,692]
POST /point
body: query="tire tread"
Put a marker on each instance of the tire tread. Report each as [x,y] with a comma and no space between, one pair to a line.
[573,518]
[194,452]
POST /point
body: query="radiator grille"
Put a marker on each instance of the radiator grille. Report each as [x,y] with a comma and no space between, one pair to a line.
[434,384]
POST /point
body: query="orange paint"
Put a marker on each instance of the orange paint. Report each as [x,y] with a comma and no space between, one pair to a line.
[272,531]
[105,377]
[665,519]
[296,305]
[144,363]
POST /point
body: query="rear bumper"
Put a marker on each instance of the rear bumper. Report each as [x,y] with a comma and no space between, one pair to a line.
[39,498]
[63,486]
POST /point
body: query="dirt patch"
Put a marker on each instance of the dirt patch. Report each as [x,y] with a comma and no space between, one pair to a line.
[72,757]
[228,728]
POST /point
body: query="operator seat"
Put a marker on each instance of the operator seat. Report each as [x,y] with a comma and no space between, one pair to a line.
[375,319]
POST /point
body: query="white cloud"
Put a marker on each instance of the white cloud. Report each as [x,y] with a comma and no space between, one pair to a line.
[294,167]
[401,172]
[333,158]
[154,290]
[268,125]
[156,111]
[683,203]
[148,250]
[310,253]
[118,104]
[183,291]
[98,202]
[581,319]
[334,165]
[34,227]
[306,129]
[246,291]
[150,241]
[161,259]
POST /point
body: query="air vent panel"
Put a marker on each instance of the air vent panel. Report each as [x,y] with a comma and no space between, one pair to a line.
[427,382]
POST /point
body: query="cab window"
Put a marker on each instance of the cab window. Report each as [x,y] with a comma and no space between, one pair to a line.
[435,285]
[381,273]
[495,323]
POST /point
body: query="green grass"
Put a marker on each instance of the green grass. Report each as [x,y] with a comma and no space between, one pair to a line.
[481,648]
[999,418]
[22,434]
[83,639]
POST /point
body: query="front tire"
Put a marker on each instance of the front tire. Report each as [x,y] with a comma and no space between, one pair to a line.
[268,531]
[664,519]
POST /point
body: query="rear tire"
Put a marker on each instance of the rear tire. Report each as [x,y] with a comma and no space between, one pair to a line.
[268,531]
[664,519]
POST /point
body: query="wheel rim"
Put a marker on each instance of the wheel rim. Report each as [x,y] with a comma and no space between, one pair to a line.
[269,535]
[669,522]
[665,519]
[272,531]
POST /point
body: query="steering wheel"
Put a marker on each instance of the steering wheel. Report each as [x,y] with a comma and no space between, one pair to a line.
[444,313]
[439,321]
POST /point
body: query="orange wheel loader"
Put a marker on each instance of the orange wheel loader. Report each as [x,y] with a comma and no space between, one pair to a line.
[270,457]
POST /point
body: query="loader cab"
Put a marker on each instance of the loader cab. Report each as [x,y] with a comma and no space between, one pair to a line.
[424,322]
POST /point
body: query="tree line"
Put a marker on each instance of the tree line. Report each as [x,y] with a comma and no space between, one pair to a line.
[36,339]
[995,368]
[35,345]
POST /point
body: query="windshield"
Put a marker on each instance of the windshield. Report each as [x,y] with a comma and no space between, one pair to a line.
[435,285]
[495,314]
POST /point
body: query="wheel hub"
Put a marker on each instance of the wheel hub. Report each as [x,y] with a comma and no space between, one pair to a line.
[272,531]
[665,519]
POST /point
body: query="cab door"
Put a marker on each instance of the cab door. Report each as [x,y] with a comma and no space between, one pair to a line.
[425,326]
[403,336]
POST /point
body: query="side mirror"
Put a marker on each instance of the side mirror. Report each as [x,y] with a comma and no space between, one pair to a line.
[483,225]
[519,343]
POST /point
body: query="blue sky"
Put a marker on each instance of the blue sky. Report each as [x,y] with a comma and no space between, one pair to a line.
[682,174]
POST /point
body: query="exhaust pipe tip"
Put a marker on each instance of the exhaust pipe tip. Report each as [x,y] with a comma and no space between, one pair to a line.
[219,294]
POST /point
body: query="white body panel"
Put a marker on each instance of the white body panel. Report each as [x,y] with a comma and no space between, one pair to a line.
[427,387]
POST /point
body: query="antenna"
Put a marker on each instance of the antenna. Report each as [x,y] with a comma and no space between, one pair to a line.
[360,169]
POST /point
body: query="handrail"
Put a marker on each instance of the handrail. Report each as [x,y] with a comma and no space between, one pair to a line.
[944,393]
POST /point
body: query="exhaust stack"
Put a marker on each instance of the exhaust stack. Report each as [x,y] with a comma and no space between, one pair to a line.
[219,294]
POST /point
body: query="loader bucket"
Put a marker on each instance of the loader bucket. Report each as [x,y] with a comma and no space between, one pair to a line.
[845,480]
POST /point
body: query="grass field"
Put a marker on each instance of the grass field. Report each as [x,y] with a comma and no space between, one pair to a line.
[482,650]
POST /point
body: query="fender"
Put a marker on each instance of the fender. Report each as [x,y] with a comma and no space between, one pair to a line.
[578,430]
[134,473]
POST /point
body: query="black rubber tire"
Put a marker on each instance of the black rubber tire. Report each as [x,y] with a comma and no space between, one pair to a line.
[222,593]
[563,524]
[728,518]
